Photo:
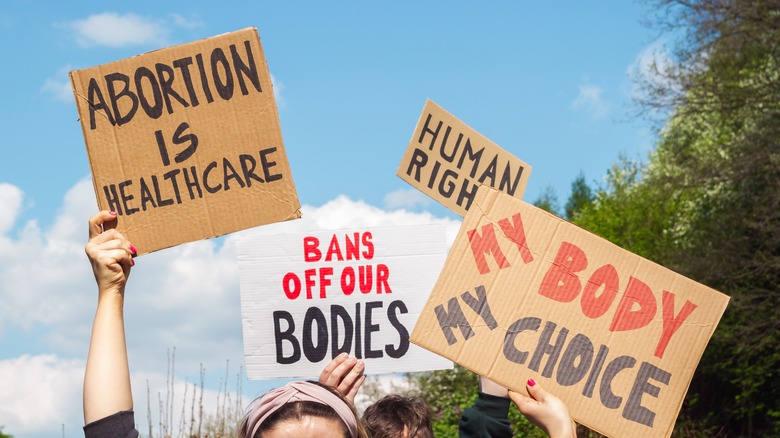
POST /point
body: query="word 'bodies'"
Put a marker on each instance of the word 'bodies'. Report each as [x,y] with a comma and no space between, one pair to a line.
[307,297]
[447,160]
[616,336]
[181,139]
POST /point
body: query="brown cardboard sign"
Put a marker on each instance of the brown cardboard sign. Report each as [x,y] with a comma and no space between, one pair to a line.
[524,294]
[184,143]
[447,160]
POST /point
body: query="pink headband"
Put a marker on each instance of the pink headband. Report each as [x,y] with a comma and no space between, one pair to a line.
[299,391]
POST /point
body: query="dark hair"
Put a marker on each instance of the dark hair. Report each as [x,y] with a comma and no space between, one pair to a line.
[388,417]
[299,410]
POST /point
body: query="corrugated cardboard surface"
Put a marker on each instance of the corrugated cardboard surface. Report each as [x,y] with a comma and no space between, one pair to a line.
[238,176]
[507,350]
[380,308]
[447,160]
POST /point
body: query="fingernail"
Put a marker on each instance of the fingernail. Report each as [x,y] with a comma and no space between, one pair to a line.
[132,262]
[132,249]
[352,359]
[360,365]
[343,356]
[531,382]
[112,213]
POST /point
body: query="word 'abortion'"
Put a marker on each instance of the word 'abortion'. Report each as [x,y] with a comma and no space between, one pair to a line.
[188,183]
[178,85]
[458,151]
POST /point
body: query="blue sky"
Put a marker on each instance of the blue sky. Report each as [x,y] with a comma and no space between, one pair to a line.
[548,82]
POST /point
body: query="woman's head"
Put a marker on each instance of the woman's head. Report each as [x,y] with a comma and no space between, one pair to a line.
[302,409]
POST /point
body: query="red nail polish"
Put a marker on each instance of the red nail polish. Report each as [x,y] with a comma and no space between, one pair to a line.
[132,249]
[531,382]
[132,262]
[112,213]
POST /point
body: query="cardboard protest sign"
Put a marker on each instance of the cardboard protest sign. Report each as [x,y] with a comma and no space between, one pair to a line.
[307,297]
[184,143]
[524,294]
[447,160]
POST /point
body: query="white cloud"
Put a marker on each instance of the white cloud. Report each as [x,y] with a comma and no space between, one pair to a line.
[11,201]
[114,30]
[59,86]
[648,67]
[41,395]
[278,87]
[171,402]
[590,100]
[185,297]
[187,23]
[406,198]
[343,212]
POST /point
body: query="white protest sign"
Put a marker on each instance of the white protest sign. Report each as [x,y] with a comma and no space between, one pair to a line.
[306,297]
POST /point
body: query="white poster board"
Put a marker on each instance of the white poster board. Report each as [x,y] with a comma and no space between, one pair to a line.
[306,297]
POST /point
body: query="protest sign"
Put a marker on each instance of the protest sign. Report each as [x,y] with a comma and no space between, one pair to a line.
[447,160]
[306,297]
[524,294]
[184,143]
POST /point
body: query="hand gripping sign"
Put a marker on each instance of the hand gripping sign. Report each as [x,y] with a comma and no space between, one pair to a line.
[524,294]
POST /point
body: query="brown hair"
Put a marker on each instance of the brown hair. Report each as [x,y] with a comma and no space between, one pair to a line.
[299,410]
[388,417]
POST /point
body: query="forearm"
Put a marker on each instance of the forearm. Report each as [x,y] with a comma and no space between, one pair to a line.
[107,377]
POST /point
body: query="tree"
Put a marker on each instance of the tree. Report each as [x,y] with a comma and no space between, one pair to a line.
[727,48]
[727,168]
[629,212]
[718,160]
[581,195]
[548,200]
[450,392]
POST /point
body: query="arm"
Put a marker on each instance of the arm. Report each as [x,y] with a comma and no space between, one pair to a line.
[489,417]
[545,410]
[107,377]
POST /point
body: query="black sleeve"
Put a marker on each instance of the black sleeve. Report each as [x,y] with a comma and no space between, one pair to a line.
[488,418]
[119,425]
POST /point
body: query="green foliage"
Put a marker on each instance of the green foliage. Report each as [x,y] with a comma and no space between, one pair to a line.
[707,203]
[581,196]
[3,434]
[630,213]
[521,426]
[450,392]
[548,200]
